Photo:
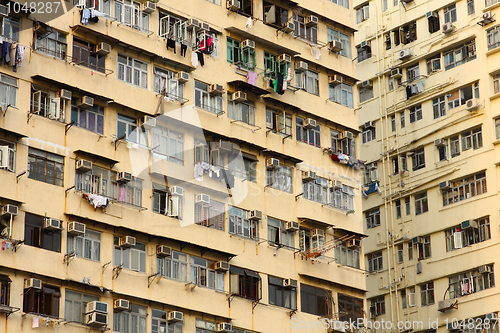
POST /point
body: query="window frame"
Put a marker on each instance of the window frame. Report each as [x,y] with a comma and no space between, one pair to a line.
[36,156]
[139,250]
[127,71]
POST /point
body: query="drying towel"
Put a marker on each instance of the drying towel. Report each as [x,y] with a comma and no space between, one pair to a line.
[249,24]
[194,59]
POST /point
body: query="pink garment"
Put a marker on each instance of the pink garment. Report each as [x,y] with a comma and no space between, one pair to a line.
[123,194]
[252,77]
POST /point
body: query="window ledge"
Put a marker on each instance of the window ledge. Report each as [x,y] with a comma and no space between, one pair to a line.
[495,50]
[495,96]
[495,5]
[496,142]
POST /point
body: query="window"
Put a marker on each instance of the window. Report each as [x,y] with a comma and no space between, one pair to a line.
[408,33]
[398,209]
[132,71]
[364,52]
[4,290]
[368,134]
[203,99]
[130,13]
[454,146]
[344,38]
[470,7]
[497,128]
[244,112]
[393,81]
[343,3]
[309,33]
[91,118]
[350,308]
[365,93]
[280,295]
[407,206]
[316,190]
[377,306]
[169,143]
[421,205]
[8,90]
[202,275]
[245,283]
[496,84]
[277,235]
[205,326]
[402,119]
[279,122]
[43,301]
[427,294]
[275,15]
[471,282]
[460,55]
[400,253]
[243,168]
[418,159]
[174,267]
[246,7]
[450,14]
[415,113]
[74,305]
[280,178]
[479,231]
[372,218]
[241,225]
[127,127]
[216,2]
[388,45]
[375,262]
[442,151]
[315,301]
[342,94]
[7,155]
[433,22]
[241,56]
[423,248]
[347,256]
[403,298]
[413,73]
[133,258]
[45,103]
[159,323]
[165,82]
[309,81]
[100,5]
[84,54]
[362,13]
[11,27]
[87,246]
[472,139]
[310,136]
[460,97]
[465,188]
[434,64]
[45,167]
[393,123]
[165,203]
[53,44]
[132,321]
[175,27]
[347,146]
[493,37]
[342,198]
[410,251]
[491,2]
[385,6]
[210,215]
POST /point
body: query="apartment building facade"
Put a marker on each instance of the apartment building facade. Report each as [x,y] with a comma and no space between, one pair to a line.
[428,114]
[188,166]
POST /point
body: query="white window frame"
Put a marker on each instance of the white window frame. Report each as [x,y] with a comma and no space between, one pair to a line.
[372,218]
[134,252]
[87,246]
[8,90]
[163,140]
[132,321]
[7,155]
[415,113]
[450,14]
[241,225]
[133,71]
[345,39]
[174,267]
[276,230]
[280,178]
[164,82]
[493,37]
[241,111]
[206,101]
[137,20]
[342,94]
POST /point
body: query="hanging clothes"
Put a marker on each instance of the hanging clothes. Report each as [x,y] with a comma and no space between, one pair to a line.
[198,172]
[5,52]
[279,82]
[408,92]
[171,44]
[318,54]
[200,58]
[85,16]
[183,50]
[194,59]
[249,24]
[251,78]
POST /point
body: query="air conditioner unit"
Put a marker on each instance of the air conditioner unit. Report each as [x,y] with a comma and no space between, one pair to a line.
[222,266]
[335,46]
[301,66]
[335,80]
[123,176]
[467,224]
[85,102]
[412,299]
[248,44]
[367,84]
[365,43]
[233,5]
[163,251]
[471,104]
[284,58]
[239,96]
[369,124]
[440,142]
[290,283]
[448,28]
[176,191]
[317,232]
[96,306]
[292,226]
[289,27]
[396,73]
[353,243]
[312,20]
[4,10]
[272,163]
[308,175]
[83,165]
[203,198]
[224,327]
[174,316]
[346,135]
[121,304]
[256,215]
[418,240]
[205,26]
[105,48]
[484,269]
[52,224]
[445,304]
[404,54]
[446,185]
[127,241]
[148,7]
[33,283]
[9,210]
[431,14]
[310,123]
[147,122]
[216,89]
[226,146]
[182,77]
[372,166]
[193,23]
[76,228]
[337,184]
[97,319]
[65,94]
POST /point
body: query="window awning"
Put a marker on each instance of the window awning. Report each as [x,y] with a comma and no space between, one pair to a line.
[85,30]
[5,278]
[245,86]
[95,157]
[236,270]
[252,274]
[246,35]
[315,221]
[17,135]
[357,234]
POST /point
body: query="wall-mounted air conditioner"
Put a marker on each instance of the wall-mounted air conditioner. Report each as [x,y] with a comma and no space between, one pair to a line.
[272,163]
[248,44]
[301,66]
[222,266]
[448,28]
[256,215]
[76,228]
[284,58]
[308,175]
[103,48]
[121,304]
[175,316]
[83,165]
[127,241]
[176,191]
[52,224]
[65,94]
[292,226]
[396,73]
[239,96]
[216,89]
[290,283]
[202,198]
[182,77]
[311,20]
[335,46]
[85,102]
[404,54]
[147,122]
[9,210]
[335,80]
[123,176]
[33,283]
[163,251]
